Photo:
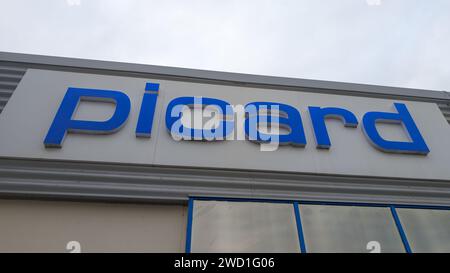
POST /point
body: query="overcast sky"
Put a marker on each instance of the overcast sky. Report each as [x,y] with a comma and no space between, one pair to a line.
[387,42]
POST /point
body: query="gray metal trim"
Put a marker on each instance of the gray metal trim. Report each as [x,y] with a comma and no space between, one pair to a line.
[21,178]
[173,73]
[10,77]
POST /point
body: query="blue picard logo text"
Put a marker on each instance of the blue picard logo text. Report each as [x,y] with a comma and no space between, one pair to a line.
[287,117]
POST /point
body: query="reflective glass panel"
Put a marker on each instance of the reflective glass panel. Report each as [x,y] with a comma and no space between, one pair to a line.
[349,229]
[221,226]
[426,230]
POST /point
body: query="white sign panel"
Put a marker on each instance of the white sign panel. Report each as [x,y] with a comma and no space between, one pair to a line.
[87,117]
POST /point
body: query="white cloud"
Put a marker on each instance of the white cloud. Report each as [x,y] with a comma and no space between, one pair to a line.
[373,2]
[398,43]
[73,2]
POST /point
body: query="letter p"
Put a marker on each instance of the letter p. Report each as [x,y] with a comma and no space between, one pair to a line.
[63,122]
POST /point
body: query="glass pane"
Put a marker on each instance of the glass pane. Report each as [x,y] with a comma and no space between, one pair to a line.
[426,230]
[349,229]
[219,226]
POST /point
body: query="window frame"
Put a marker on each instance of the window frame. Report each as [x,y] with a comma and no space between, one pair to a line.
[298,218]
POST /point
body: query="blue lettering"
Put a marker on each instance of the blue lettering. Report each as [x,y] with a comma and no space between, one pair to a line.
[274,115]
[63,122]
[318,116]
[287,117]
[148,106]
[417,144]
[174,113]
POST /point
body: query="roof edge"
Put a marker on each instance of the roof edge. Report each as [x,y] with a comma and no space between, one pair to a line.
[236,78]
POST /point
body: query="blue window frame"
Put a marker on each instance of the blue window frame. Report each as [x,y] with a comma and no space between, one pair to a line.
[298,218]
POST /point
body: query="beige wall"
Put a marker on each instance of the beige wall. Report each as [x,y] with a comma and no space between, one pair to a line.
[43,226]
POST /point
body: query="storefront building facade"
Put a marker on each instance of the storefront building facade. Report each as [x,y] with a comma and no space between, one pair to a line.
[107,156]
